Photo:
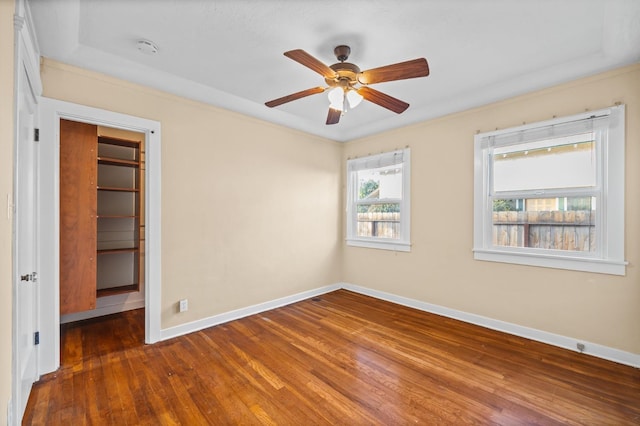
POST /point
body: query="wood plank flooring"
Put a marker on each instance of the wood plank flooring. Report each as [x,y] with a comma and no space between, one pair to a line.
[341,358]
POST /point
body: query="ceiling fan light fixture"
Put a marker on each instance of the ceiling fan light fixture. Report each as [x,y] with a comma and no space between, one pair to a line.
[336,98]
[340,98]
[354,98]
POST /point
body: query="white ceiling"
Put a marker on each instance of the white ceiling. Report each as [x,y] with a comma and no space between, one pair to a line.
[229,53]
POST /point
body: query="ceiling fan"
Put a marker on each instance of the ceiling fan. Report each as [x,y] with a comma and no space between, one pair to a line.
[348,85]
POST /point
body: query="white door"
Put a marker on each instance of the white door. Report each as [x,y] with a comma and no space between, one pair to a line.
[26,240]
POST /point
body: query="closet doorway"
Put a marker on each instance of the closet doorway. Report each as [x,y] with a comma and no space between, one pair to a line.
[102,232]
[121,259]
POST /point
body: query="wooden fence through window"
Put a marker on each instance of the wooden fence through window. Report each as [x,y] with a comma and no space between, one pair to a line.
[379,224]
[555,230]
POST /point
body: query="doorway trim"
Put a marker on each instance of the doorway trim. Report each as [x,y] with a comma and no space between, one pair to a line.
[51,111]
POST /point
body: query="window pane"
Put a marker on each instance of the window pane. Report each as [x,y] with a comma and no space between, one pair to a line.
[565,223]
[555,163]
[380,183]
[379,220]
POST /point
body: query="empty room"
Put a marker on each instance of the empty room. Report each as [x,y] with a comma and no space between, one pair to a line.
[340,212]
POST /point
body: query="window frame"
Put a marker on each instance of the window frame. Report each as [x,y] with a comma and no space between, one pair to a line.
[403,243]
[609,190]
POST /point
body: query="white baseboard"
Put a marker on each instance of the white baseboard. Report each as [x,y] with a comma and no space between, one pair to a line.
[201,324]
[107,308]
[570,343]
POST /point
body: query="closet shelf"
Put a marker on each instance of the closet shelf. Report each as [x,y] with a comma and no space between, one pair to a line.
[119,142]
[103,292]
[113,188]
[118,162]
[119,250]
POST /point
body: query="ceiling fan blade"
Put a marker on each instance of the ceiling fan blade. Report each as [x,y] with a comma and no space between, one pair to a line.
[334,116]
[384,100]
[400,71]
[294,96]
[309,61]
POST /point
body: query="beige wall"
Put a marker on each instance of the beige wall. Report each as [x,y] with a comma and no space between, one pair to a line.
[252,211]
[440,269]
[249,209]
[6,189]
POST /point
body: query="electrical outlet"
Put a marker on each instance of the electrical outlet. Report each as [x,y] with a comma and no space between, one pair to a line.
[184,305]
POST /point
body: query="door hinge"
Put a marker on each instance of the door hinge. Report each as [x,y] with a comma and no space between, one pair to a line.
[36,338]
[36,135]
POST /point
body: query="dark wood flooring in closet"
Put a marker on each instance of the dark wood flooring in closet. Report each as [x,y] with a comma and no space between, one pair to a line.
[340,359]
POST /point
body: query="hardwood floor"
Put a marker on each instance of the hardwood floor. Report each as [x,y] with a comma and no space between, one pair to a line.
[342,358]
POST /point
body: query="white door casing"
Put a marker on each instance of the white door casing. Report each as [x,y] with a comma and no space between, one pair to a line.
[50,113]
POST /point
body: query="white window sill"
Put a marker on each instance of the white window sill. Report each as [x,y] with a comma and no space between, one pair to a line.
[584,264]
[393,245]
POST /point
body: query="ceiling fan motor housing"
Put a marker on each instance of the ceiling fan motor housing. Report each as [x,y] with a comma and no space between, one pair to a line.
[346,75]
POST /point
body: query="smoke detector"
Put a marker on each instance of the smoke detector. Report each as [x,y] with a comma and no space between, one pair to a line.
[148,47]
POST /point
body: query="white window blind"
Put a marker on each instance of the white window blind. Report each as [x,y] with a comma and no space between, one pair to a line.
[375,161]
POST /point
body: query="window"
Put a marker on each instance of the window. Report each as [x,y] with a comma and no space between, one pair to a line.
[378,201]
[552,193]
